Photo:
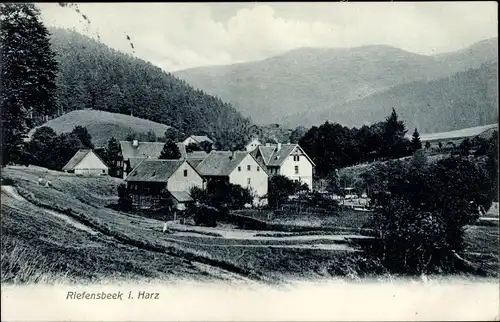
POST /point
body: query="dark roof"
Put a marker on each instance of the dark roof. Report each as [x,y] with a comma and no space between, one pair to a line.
[220,163]
[181,196]
[146,149]
[271,156]
[195,162]
[77,158]
[134,162]
[154,170]
[196,155]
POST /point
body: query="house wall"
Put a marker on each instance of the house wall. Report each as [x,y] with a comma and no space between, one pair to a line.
[178,182]
[252,145]
[258,179]
[188,141]
[305,174]
[91,165]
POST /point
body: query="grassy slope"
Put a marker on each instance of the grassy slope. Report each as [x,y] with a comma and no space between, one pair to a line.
[130,246]
[259,263]
[103,125]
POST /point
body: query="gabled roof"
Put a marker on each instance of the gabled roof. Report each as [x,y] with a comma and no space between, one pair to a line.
[201,138]
[196,155]
[195,162]
[181,196]
[146,149]
[273,157]
[134,162]
[220,163]
[154,170]
[194,158]
[78,157]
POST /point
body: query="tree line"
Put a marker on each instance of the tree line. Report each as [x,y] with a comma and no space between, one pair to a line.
[332,146]
[45,75]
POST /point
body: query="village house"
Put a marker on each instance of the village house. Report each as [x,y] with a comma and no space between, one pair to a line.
[133,152]
[197,139]
[236,167]
[252,145]
[86,163]
[153,179]
[288,160]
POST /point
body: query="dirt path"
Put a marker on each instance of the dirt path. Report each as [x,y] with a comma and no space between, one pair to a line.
[11,192]
[251,235]
[337,247]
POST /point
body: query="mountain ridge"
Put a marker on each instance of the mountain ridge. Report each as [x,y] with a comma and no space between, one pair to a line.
[312,79]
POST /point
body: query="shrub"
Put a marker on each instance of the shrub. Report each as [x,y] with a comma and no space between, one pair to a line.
[204,215]
[124,200]
[421,211]
[6,181]
[222,194]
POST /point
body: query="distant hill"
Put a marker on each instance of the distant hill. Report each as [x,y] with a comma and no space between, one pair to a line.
[92,75]
[104,125]
[309,80]
[466,99]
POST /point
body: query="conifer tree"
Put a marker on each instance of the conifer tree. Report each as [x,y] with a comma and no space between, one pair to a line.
[170,151]
[28,73]
[416,144]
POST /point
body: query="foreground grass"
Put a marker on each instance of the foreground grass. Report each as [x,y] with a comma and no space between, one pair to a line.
[133,247]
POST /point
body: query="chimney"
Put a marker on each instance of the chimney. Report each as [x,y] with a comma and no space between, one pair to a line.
[268,144]
[279,146]
[135,143]
[231,156]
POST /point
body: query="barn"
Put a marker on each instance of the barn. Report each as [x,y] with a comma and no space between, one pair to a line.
[86,163]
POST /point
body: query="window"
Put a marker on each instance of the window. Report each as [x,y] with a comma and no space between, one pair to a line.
[185,173]
[296,169]
[248,167]
[296,158]
[239,168]
[258,169]
[248,181]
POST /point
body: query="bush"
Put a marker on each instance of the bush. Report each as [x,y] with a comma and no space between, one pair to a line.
[204,215]
[421,211]
[7,181]
[222,194]
[124,200]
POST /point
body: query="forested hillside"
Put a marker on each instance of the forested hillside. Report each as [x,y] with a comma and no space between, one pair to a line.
[92,75]
[308,81]
[467,99]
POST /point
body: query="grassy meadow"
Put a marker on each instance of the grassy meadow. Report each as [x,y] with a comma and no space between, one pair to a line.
[43,240]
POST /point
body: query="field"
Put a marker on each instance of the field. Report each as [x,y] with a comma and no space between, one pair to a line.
[67,233]
[104,125]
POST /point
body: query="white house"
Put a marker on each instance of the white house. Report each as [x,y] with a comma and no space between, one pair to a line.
[152,177]
[237,167]
[288,160]
[252,145]
[196,139]
[86,162]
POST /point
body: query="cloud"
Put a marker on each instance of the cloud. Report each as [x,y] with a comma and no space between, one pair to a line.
[183,35]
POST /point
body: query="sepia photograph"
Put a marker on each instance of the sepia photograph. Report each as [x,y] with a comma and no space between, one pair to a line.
[249,161]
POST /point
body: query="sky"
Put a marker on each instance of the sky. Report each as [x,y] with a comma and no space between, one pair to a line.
[176,36]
